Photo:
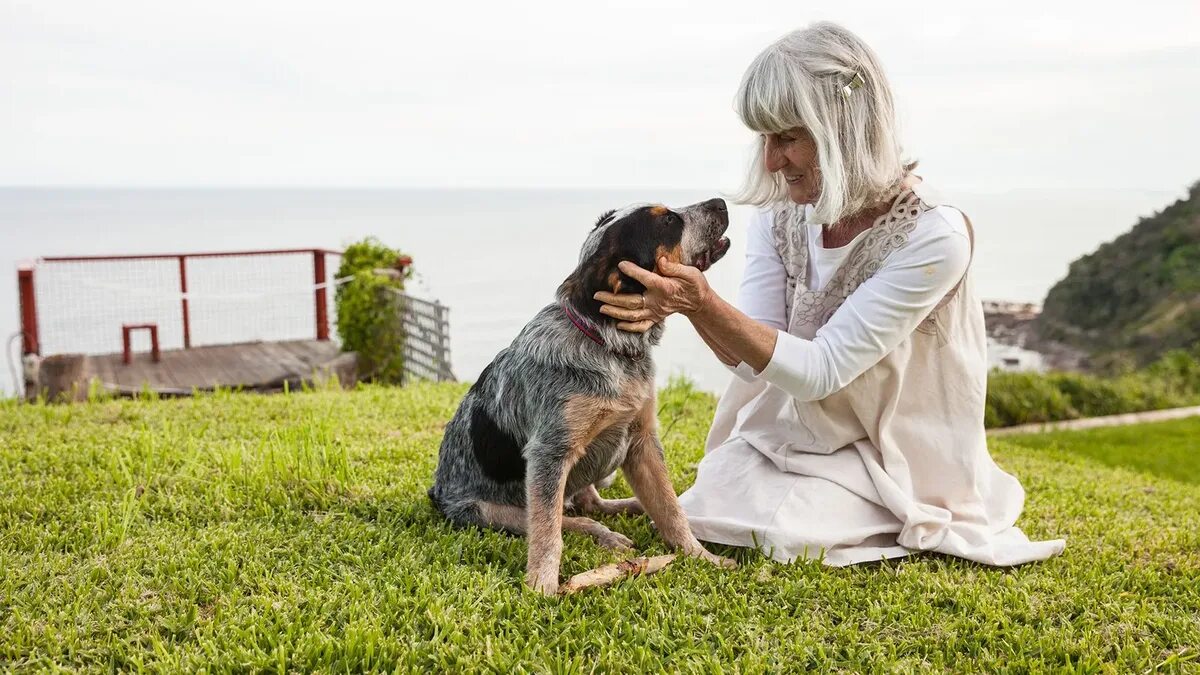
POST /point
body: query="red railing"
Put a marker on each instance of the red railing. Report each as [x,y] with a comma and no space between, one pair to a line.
[28,300]
[32,342]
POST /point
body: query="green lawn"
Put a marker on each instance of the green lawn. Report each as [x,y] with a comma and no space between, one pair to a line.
[292,532]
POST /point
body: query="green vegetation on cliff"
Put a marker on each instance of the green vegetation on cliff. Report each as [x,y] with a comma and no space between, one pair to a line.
[1135,297]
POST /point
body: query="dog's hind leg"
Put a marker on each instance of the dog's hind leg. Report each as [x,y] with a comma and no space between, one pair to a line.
[514,519]
[502,517]
[598,531]
[588,500]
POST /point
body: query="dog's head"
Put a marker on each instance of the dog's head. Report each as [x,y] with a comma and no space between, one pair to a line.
[643,234]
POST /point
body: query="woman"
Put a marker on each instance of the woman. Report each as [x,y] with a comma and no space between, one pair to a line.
[854,429]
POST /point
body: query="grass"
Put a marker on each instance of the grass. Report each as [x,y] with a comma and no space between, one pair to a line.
[291,532]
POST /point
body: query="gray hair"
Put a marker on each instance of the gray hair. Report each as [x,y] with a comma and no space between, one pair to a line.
[804,80]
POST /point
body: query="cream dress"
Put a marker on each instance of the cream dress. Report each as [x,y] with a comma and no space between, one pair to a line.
[863,437]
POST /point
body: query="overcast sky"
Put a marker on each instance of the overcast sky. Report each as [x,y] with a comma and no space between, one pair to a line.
[300,93]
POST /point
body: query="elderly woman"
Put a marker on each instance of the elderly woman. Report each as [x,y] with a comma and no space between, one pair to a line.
[854,428]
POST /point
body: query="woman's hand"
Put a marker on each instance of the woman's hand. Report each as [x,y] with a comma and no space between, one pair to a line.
[681,290]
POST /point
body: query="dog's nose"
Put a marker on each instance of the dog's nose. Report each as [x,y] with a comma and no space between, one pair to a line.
[717,204]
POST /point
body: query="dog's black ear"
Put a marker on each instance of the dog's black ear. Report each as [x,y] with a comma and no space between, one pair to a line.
[631,285]
[643,256]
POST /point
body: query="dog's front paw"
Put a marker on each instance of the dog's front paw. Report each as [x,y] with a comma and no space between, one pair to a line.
[615,541]
[544,582]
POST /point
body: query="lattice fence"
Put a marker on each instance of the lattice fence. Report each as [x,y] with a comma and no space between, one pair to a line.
[426,339]
[78,304]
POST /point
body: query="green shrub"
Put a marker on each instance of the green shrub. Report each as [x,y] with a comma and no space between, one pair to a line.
[1091,396]
[1024,398]
[368,310]
[1179,369]
[1021,398]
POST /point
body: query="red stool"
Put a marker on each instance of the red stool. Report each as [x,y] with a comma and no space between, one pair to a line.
[127,328]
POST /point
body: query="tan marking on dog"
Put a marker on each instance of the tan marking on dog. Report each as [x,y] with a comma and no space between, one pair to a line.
[614,281]
[587,416]
[659,211]
[674,254]
[503,516]
[588,500]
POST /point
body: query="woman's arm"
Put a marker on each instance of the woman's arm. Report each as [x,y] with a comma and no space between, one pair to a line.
[761,292]
[683,290]
[732,335]
[882,312]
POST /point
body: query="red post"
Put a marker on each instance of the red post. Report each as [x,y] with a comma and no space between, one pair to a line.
[322,308]
[187,323]
[29,326]
[126,343]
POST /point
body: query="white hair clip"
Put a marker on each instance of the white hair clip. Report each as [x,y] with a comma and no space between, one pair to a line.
[855,82]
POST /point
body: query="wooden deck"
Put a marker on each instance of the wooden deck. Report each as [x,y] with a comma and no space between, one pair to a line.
[256,366]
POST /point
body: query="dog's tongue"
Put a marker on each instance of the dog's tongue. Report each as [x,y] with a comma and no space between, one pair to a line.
[712,255]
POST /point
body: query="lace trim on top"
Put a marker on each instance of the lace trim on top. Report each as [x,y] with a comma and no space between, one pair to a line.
[889,233]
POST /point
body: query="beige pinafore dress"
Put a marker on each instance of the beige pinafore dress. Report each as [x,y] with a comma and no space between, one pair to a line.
[895,462]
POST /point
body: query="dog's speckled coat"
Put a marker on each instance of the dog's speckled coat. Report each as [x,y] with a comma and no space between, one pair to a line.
[558,411]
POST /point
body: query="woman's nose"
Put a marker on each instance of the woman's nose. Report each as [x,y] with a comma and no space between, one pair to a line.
[773,158]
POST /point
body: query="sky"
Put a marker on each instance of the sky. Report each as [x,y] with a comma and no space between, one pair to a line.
[252,93]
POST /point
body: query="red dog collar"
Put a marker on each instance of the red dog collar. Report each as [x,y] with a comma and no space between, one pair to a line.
[583,325]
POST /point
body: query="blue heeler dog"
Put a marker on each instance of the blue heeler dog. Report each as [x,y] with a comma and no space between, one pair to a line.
[572,399]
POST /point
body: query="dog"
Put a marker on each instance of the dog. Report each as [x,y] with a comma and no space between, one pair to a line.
[572,399]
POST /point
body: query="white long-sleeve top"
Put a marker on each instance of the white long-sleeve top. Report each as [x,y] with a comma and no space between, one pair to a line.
[867,440]
[877,316]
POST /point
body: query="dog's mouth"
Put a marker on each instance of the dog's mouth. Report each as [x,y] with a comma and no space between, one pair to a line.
[710,256]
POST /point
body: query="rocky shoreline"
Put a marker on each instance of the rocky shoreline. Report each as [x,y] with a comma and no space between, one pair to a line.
[1013,343]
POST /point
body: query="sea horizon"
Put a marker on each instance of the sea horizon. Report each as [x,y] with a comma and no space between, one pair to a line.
[494,255]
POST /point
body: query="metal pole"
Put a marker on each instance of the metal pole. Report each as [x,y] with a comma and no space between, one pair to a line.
[28,301]
[443,336]
[187,323]
[322,308]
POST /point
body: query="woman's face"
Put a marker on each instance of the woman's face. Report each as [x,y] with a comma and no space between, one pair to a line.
[793,153]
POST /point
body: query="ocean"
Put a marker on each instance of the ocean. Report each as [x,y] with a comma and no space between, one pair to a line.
[494,257]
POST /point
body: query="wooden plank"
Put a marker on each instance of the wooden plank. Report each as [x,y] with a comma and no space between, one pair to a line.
[187,369]
[303,351]
[276,364]
[165,372]
[245,365]
[228,364]
[283,365]
[190,369]
[316,353]
[262,365]
[313,352]
[250,364]
[102,368]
